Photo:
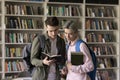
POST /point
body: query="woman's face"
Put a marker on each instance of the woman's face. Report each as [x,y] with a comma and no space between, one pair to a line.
[70,35]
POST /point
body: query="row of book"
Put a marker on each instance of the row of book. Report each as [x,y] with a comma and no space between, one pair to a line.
[105,75]
[23,9]
[99,37]
[106,62]
[0,50]
[19,37]
[104,49]
[67,10]
[0,34]
[32,23]
[97,24]
[23,23]
[100,11]
[13,51]
[14,66]
[0,66]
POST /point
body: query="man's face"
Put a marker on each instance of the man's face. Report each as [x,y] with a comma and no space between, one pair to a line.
[69,34]
[52,31]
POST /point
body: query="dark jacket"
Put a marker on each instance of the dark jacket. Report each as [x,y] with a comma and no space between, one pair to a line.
[41,71]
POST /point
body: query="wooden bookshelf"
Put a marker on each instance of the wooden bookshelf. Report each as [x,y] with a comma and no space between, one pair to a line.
[101,33]
[98,24]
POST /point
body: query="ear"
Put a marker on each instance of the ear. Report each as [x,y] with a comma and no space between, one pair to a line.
[46,28]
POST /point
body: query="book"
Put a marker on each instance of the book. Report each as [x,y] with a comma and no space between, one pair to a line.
[77,58]
[51,57]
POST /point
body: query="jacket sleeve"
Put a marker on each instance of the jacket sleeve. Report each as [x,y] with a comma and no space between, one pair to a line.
[35,52]
[88,63]
[61,50]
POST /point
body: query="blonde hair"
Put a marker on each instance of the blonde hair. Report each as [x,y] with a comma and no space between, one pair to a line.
[71,25]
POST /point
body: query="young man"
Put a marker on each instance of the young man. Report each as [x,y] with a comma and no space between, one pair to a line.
[54,45]
[78,72]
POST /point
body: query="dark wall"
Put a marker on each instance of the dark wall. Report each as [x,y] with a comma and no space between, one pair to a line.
[103,1]
[89,1]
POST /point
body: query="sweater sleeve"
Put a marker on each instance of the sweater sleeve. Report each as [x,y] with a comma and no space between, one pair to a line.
[88,63]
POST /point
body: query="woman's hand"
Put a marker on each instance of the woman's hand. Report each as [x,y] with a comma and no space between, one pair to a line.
[69,65]
[64,72]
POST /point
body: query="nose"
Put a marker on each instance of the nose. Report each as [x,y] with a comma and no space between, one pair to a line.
[54,33]
[67,35]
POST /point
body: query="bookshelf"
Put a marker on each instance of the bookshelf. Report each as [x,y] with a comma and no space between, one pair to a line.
[98,24]
[0,40]
[102,21]
[23,20]
[65,11]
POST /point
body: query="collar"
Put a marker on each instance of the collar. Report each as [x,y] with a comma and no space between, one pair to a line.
[47,37]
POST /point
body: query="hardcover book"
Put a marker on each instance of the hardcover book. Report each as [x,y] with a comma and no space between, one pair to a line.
[52,57]
[77,58]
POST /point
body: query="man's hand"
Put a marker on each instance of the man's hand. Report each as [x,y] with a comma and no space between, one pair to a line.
[47,62]
[64,71]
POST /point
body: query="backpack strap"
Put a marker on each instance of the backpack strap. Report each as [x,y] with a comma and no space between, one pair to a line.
[78,44]
[92,73]
[67,46]
[42,41]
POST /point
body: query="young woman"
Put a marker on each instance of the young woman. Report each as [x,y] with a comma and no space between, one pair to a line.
[78,72]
